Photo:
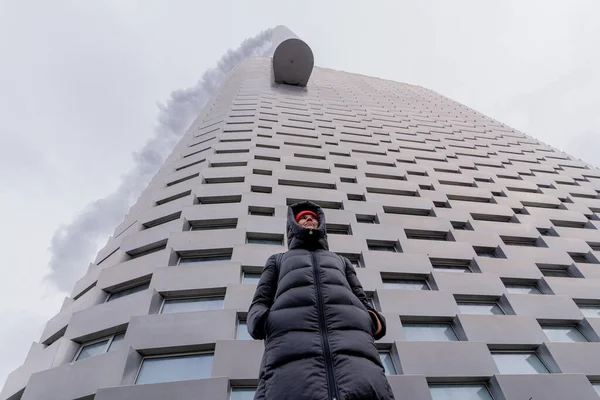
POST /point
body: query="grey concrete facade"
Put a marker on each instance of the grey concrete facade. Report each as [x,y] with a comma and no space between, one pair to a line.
[447,213]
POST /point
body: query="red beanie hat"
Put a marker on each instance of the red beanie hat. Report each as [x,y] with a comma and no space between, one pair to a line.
[301,213]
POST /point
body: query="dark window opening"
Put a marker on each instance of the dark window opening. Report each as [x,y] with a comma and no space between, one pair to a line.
[261,211]
[426,235]
[366,219]
[213,224]
[337,229]
[382,246]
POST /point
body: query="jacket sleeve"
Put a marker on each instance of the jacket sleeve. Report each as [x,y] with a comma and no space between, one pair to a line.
[360,293]
[263,300]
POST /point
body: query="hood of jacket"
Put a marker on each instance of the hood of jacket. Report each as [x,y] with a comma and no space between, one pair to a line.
[299,237]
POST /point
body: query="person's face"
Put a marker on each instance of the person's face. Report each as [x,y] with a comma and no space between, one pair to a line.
[308,221]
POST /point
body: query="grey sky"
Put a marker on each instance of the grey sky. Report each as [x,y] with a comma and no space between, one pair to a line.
[79,84]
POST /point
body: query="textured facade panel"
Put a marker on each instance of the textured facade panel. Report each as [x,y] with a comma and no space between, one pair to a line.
[438,206]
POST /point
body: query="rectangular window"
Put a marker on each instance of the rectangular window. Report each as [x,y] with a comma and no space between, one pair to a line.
[242,393]
[590,311]
[356,197]
[426,235]
[250,277]
[209,255]
[242,331]
[382,246]
[522,288]
[388,362]
[337,165]
[190,165]
[385,176]
[366,219]
[307,168]
[594,246]
[492,218]
[261,211]
[223,179]
[480,308]
[175,368]
[423,212]
[405,284]
[451,265]
[460,226]
[264,238]
[261,189]
[429,332]
[160,221]
[145,250]
[256,171]
[462,392]
[545,232]
[100,346]
[579,258]
[92,349]
[266,158]
[337,229]
[192,304]
[226,164]
[354,259]
[519,363]
[127,292]
[556,272]
[347,180]
[488,252]
[231,151]
[564,334]
[175,182]
[213,224]
[173,198]
[519,241]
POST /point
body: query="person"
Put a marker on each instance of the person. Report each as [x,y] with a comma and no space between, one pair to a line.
[317,323]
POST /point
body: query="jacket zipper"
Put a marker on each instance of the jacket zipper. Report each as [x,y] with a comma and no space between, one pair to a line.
[324,334]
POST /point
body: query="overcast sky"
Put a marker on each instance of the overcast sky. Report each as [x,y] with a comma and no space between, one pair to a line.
[80,82]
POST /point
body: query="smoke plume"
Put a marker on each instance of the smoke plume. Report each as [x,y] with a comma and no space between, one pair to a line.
[73,246]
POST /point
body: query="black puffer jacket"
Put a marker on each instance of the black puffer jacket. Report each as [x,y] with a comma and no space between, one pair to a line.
[312,312]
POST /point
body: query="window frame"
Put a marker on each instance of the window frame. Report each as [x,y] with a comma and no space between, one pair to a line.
[387,246]
[440,323]
[467,302]
[424,281]
[531,285]
[109,341]
[260,211]
[534,352]
[390,353]
[556,272]
[244,272]
[165,299]
[588,307]
[460,384]
[271,239]
[575,327]
[238,323]
[454,266]
[213,224]
[110,296]
[423,234]
[487,252]
[240,387]
[137,375]
[210,255]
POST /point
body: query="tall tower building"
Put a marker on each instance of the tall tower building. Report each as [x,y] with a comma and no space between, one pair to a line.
[479,243]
